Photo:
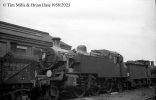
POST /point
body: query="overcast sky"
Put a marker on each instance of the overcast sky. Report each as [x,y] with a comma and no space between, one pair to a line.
[124,26]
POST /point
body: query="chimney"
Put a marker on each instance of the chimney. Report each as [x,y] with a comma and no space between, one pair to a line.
[56,42]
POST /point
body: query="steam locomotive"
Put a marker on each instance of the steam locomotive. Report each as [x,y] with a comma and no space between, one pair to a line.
[75,72]
[80,73]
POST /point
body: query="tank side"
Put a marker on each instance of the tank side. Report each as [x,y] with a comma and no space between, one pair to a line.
[104,67]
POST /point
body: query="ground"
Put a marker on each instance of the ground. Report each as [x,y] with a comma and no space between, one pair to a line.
[135,94]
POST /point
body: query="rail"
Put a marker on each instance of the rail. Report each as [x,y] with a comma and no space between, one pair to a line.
[150,98]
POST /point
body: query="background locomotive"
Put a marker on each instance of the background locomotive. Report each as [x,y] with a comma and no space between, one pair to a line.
[139,72]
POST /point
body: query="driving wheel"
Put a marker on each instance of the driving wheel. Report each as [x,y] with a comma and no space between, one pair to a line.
[94,89]
[79,91]
[51,94]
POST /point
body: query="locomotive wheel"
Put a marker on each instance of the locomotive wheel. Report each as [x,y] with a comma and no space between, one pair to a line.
[148,83]
[133,84]
[51,94]
[13,97]
[94,89]
[54,93]
[79,91]
[120,87]
[47,96]
[109,86]
[140,84]
[144,83]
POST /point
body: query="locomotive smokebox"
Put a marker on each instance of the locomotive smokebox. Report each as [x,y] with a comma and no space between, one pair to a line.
[56,42]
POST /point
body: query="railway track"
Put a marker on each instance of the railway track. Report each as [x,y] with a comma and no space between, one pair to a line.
[150,98]
[135,94]
[105,98]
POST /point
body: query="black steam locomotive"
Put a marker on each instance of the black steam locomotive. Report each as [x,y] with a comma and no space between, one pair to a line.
[80,73]
[75,72]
